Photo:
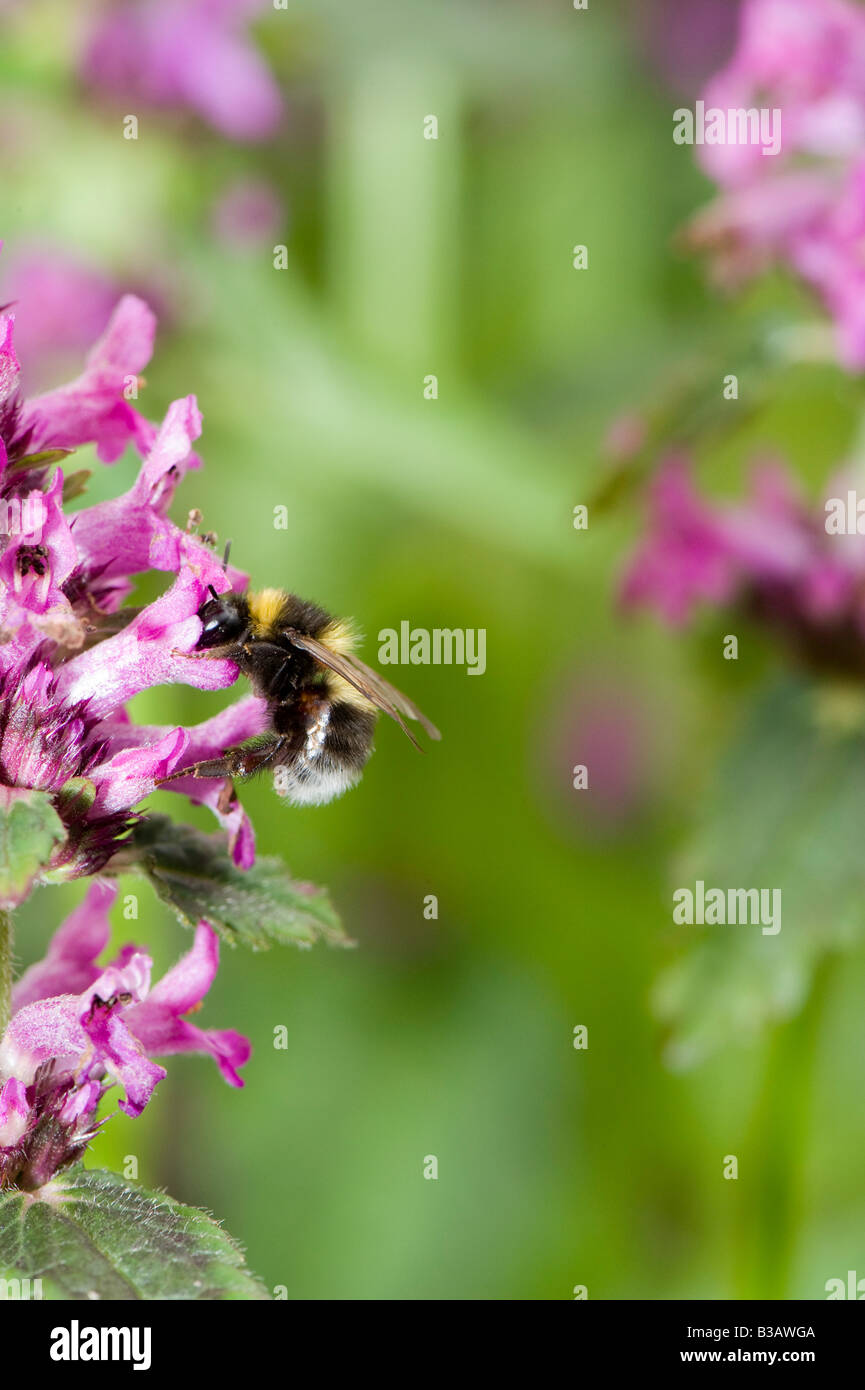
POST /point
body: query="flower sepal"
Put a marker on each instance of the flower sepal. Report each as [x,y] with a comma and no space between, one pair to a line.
[77,796]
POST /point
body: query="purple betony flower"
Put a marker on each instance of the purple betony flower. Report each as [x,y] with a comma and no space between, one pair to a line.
[186,53]
[71,656]
[804,207]
[78,1028]
[70,659]
[770,555]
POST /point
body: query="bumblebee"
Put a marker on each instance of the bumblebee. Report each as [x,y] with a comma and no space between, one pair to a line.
[322,701]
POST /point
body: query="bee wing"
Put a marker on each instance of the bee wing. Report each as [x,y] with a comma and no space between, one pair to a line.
[377,690]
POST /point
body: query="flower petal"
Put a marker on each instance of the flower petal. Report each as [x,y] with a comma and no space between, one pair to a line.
[69,966]
[129,534]
[93,408]
[149,651]
[156,1022]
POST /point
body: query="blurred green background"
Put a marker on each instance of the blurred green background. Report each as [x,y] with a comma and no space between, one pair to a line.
[454,1037]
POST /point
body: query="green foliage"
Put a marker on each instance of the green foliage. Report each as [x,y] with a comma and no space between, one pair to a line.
[30,828]
[259,907]
[90,1234]
[787,812]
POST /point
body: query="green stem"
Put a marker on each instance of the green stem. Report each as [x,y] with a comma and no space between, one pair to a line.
[7,947]
[775,1152]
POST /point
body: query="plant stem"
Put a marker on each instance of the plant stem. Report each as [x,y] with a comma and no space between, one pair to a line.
[776,1149]
[7,947]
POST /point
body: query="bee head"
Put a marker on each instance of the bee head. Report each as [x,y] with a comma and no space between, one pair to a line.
[223,619]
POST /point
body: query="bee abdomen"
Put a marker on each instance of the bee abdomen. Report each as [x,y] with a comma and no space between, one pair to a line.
[329,757]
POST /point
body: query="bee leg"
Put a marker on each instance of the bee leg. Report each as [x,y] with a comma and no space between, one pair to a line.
[242,762]
[229,652]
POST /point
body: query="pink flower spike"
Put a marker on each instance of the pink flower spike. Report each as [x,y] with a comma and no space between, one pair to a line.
[794,194]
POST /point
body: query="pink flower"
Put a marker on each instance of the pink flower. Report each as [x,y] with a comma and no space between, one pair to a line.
[803,207]
[77,1029]
[62,305]
[70,657]
[685,558]
[685,39]
[93,409]
[770,555]
[248,212]
[186,53]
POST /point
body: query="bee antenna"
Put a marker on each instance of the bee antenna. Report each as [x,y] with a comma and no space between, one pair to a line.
[213,591]
[226,555]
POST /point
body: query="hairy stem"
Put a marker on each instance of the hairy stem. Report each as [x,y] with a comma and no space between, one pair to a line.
[7,947]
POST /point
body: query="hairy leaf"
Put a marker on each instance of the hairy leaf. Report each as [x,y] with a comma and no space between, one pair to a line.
[29,830]
[91,1234]
[194,874]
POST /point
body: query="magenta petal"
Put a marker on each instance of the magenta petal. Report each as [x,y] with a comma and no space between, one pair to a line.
[132,774]
[161,1034]
[686,556]
[53,1029]
[93,408]
[229,84]
[190,53]
[48,528]
[187,982]
[144,653]
[69,965]
[14,1112]
[130,534]
[240,721]
[241,835]
[120,1053]
[80,1102]
[9,365]
[157,1021]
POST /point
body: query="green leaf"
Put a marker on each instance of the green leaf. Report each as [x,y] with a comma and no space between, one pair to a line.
[43,459]
[91,1234]
[787,812]
[29,830]
[75,484]
[259,907]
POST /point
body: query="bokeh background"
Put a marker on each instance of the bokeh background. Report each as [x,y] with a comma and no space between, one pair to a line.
[407,257]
